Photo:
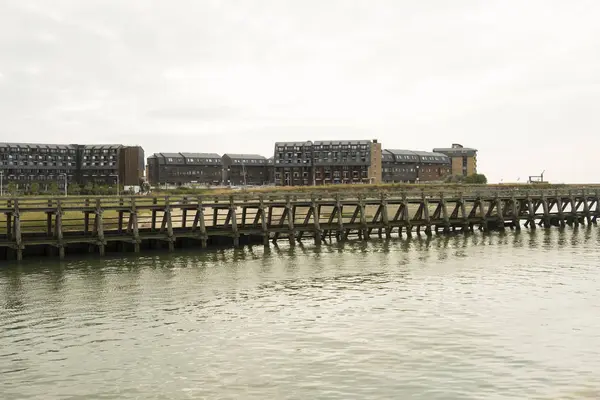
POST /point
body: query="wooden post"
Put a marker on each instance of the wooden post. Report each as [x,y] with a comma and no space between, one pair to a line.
[169,224]
[340,220]
[199,221]
[99,228]
[561,209]
[316,211]
[184,212]
[133,220]
[120,219]
[515,212]
[463,214]
[586,208]
[363,218]
[290,216]
[263,220]
[49,214]
[597,211]
[406,216]
[234,226]
[531,210]
[426,217]
[500,212]
[385,216]
[86,218]
[573,209]
[546,210]
[445,216]
[58,230]
[481,213]
[153,222]
[18,238]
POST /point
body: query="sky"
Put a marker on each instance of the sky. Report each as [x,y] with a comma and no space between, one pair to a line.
[517,80]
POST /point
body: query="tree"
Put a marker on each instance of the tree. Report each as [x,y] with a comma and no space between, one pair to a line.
[88,188]
[53,188]
[74,189]
[35,188]
[12,189]
[476,179]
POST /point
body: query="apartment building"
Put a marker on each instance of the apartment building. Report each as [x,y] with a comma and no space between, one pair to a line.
[432,167]
[245,169]
[400,166]
[293,164]
[24,164]
[407,166]
[181,169]
[327,162]
[463,159]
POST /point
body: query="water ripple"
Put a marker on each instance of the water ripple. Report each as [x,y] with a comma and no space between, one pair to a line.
[502,316]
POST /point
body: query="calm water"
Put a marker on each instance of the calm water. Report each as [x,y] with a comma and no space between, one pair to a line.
[476,317]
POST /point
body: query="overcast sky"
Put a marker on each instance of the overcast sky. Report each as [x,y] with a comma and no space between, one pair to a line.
[518,80]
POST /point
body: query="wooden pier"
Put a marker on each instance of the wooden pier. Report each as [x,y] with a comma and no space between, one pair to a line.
[57,226]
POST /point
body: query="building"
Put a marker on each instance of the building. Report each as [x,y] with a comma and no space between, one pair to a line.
[182,169]
[131,165]
[400,166]
[24,164]
[271,170]
[432,167]
[327,162]
[463,159]
[245,169]
[407,166]
[293,163]
[352,161]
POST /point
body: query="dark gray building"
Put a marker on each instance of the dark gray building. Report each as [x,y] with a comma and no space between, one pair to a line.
[245,169]
[433,166]
[293,163]
[45,164]
[181,169]
[400,166]
[346,161]
[407,166]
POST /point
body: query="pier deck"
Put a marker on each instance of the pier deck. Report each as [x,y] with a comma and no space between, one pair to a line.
[59,225]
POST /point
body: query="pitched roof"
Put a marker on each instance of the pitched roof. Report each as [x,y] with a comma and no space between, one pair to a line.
[245,156]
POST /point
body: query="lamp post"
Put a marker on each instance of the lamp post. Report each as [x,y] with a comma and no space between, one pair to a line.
[118,185]
[1,183]
[65,178]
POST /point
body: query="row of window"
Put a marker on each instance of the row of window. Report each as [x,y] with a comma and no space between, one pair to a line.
[248,161]
[193,160]
[37,164]
[25,150]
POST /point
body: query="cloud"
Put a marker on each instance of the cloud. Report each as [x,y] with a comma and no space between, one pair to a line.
[194,113]
[245,74]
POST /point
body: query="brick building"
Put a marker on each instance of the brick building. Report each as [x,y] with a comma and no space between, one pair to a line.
[245,169]
[463,159]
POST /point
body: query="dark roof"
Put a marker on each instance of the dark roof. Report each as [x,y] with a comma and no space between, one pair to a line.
[102,146]
[401,152]
[201,155]
[37,146]
[456,149]
[169,155]
[307,143]
[245,156]
[341,142]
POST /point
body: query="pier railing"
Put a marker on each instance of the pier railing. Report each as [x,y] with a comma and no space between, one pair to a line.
[52,225]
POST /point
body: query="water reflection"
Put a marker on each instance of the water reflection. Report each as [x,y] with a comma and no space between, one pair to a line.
[449,316]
